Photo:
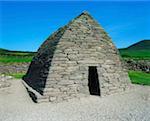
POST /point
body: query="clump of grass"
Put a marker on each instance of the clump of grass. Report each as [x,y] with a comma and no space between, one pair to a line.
[138,77]
[16,75]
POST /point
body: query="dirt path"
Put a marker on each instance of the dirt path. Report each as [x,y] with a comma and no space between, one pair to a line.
[16,105]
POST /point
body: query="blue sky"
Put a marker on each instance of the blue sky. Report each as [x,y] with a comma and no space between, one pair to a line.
[25,25]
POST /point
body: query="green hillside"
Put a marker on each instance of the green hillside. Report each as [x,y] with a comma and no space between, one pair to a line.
[7,56]
[142,45]
[140,50]
[15,53]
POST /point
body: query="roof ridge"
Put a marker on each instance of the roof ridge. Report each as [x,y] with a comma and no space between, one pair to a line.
[51,39]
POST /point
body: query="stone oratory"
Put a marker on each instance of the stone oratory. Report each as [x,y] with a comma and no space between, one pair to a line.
[77,60]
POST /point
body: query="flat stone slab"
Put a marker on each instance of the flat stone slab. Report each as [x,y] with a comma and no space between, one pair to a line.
[36,96]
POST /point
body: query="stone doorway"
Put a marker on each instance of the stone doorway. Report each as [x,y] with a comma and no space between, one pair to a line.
[93,81]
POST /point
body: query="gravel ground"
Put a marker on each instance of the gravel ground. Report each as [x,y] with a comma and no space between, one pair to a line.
[4,81]
[134,105]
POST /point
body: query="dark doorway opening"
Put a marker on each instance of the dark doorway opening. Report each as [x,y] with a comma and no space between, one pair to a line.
[93,81]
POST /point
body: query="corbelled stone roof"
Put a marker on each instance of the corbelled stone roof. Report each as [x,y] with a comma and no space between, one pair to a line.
[52,40]
[61,67]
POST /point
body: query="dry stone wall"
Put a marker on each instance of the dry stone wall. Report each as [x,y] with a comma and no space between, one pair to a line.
[13,68]
[138,65]
[83,44]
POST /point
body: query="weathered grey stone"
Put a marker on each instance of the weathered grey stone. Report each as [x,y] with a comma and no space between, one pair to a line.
[64,60]
[4,81]
[52,99]
[137,65]
[13,68]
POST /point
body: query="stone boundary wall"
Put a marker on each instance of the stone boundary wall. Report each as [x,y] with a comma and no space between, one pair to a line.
[13,68]
[137,65]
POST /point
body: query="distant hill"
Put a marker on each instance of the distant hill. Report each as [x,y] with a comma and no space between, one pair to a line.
[139,50]
[8,56]
[3,50]
[142,45]
[15,53]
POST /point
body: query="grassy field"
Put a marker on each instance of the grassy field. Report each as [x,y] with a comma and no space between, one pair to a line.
[7,56]
[15,59]
[139,50]
[138,77]
[27,57]
[20,57]
[15,53]
[132,54]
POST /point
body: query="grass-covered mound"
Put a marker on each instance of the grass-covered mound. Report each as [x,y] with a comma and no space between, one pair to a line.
[138,77]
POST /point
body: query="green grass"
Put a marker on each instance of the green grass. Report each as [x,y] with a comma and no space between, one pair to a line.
[15,53]
[139,54]
[21,57]
[15,59]
[7,56]
[16,75]
[138,77]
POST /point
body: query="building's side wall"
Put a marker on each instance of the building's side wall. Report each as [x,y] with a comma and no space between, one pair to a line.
[37,73]
[84,44]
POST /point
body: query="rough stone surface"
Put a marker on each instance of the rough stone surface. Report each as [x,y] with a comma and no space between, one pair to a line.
[129,64]
[4,81]
[59,71]
[13,68]
[138,65]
